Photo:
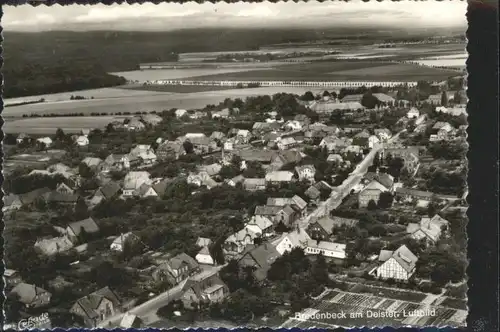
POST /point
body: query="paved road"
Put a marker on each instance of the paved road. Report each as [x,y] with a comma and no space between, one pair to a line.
[345,188]
[147,310]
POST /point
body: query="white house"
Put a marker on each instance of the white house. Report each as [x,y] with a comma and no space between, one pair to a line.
[398,265]
[133,180]
[293,125]
[82,140]
[286,143]
[45,140]
[204,257]
[119,242]
[297,238]
[326,248]
[372,140]
[428,228]
[306,172]
[413,113]
[260,225]
[180,113]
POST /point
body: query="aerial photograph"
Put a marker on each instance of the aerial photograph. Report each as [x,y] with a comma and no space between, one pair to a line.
[224,165]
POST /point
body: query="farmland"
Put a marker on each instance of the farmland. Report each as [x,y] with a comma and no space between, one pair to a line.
[337,71]
[49,125]
[175,88]
[369,307]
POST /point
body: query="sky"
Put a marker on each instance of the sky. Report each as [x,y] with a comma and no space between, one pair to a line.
[172,16]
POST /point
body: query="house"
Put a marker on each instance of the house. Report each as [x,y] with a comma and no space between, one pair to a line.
[323,227]
[151,119]
[408,195]
[313,193]
[202,179]
[212,169]
[11,202]
[56,197]
[234,181]
[421,119]
[97,307]
[372,141]
[88,226]
[270,212]
[279,177]
[54,245]
[383,178]
[160,187]
[170,150]
[292,125]
[46,141]
[435,99]
[92,162]
[261,225]
[413,113]
[22,137]
[206,287]
[254,184]
[179,113]
[443,126]
[297,238]
[116,162]
[286,143]
[259,259]
[306,172]
[203,242]
[371,193]
[63,188]
[243,136]
[302,119]
[31,295]
[144,191]
[106,192]
[119,242]
[204,256]
[134,125]
[12,277]
[147,157]
[201,144]
[296,202]
[398,265]
[130,321]
[284,158]
[410,156]
[335,158]
[236,243]
[325,248]
[82,140]
[429,229]
[176,269]
[383,134]
[133,180]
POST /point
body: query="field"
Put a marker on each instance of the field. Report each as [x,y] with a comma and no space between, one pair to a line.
[35,160]
[337,71]
[49,125]
[145,101]
[176,88]
[368,306]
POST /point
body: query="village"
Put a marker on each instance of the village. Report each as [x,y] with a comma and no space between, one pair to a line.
[246,211]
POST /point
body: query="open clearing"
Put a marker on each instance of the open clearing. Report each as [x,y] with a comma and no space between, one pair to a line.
[49,125]
[176,88]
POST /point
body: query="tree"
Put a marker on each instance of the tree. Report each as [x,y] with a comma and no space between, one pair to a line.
[81,209]
[444,99]
[60,136]
[372,205]
[10,139]
[369,100]
[188,147]
[85,171]
[385,200]
[308,96]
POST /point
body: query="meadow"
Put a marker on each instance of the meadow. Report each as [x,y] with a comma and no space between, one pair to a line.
[49,125]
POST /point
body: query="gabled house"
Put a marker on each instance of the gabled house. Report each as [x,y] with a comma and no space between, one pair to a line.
[144,191]
[313,193]
[82,140]
[279,177]
[413,113]
[284,158]
[177,268]
[398,265]
[305,172]
[237,242]
[130,321]
[297,238]
[106,192]
[203,242]
[204,256]
[45,141]
[326,248]
[119,242]
[88,226]
[170,150]
[31,296]
[371,193]
[202,179]
[203,288]
[270,212]
[151,119]
[429,229]
[12,277]
[296,202]
[259,259]
[286,143]
[323,228]
[254,184]
[63,188]
[133,180]
[117,162]
[179,113]
[261,225]
[54,245]
[92,162]
[97,307]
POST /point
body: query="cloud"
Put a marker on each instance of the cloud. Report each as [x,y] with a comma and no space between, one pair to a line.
[168,16]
